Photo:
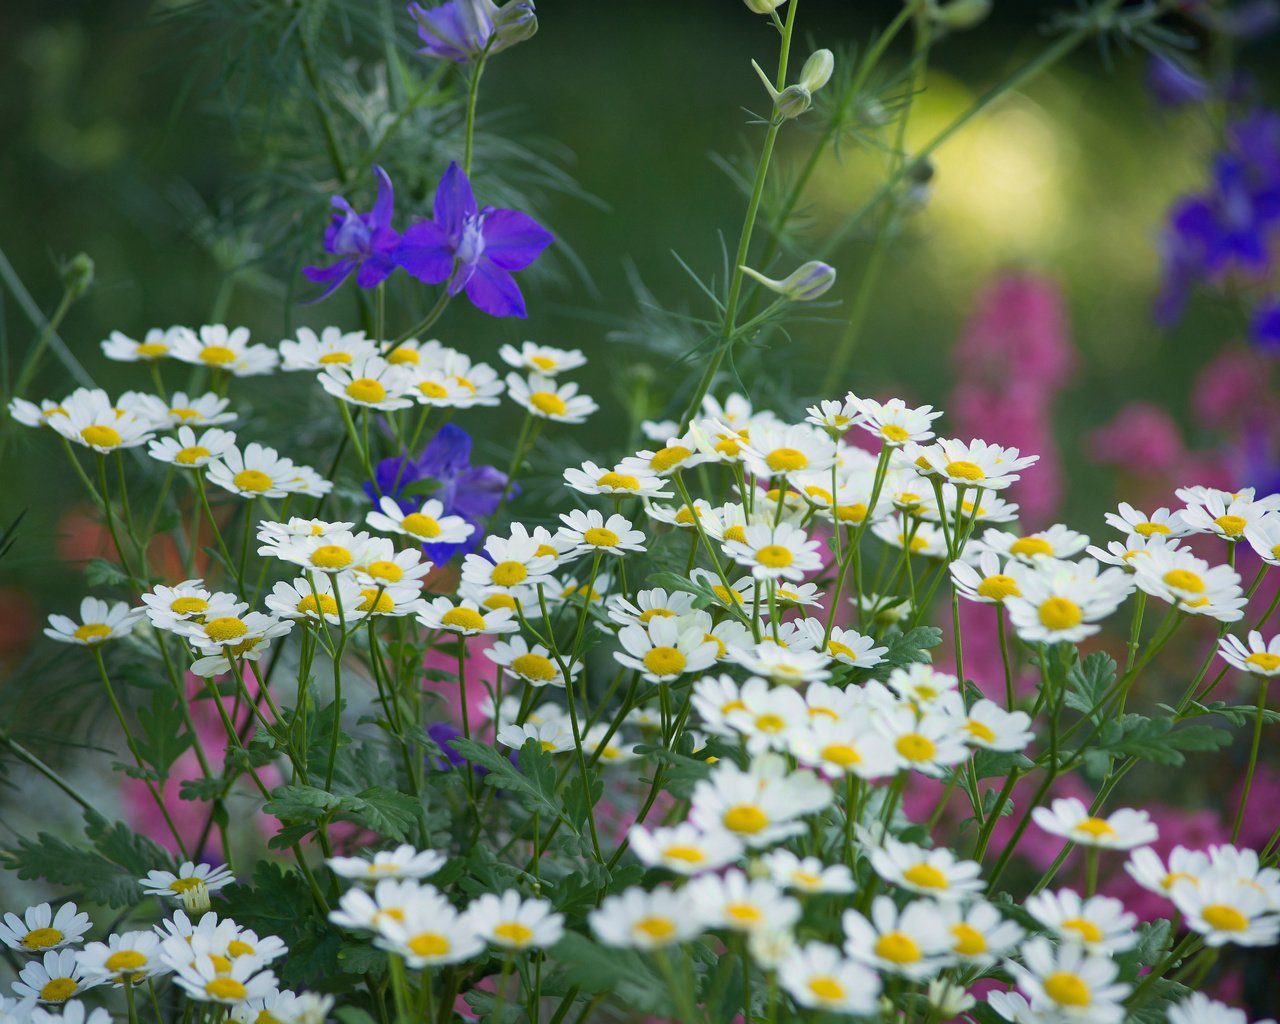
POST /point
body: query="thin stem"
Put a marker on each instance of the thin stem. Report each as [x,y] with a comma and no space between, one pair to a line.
[472,93]
[1253,756]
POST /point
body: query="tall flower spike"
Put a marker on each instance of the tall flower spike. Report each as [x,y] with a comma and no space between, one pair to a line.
[472,248]
[365,242]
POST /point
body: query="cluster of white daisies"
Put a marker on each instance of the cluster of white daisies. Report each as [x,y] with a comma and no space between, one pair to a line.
[211,960]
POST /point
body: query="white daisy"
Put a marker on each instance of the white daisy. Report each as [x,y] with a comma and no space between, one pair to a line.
[936,873]
[588,532]
[782,553]
[156,344]
[540,396]
[467,617]
[532,664]
[331,347]
[807,874]
[91,421]
[1121,830]
[684,849]
[39,928]
[635,919]
[1191,584]
[1160,523]
[542,359]
[1099,924]
[617,482]
[740,904]
[913,942]
[403,862]
[188,876]
[99,622]
[975,464]
[205,983]
[428,525]
[1070,983]
[513,923]
[54,978]
[760,806]
[893,422]
[815,975]
[218,348]
[665,649]
[1259,658]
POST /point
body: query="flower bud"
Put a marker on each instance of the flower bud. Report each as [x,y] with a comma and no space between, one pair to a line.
[763,6]
[808,281]
[959,14]
[195,899]
[949,998]
[791,102]
[514,23]
[77,274]
[817,70]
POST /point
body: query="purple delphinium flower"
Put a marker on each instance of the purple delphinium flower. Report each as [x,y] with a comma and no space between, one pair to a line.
[365,241]
[1173,85]
[462,30]
[472,248]
[1265,325]
[472,492]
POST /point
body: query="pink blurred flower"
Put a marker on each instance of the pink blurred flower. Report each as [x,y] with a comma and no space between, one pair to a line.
[1142,439]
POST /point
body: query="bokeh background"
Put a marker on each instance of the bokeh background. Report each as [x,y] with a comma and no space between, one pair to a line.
[1018,294]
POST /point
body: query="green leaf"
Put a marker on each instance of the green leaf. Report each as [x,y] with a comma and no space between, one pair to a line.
[535,794]
[1088,680]
[163,738]
[388,812]
[301,804]
[911,646]
[988,764]
[621,972]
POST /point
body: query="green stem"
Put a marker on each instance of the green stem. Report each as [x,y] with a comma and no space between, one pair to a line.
[32,362]
[472,93]
[1253,756]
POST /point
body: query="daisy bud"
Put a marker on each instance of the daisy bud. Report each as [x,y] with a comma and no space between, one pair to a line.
[791,102]
[959,14]
[195,898]
[77,274]
[808,281]
[817,70]
[763,6]
[948,998]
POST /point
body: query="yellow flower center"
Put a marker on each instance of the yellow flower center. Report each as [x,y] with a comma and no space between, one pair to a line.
[688,854]
[619,481]
[826,988]
[1067,989]
[185,414]
[420,525]
[217,355]
[495,601]
[926,876]
[58,990]
[152,350]
[433,389]
[855,513]
[313,604]
[744,913]
[1232,526]
[654,927]
[1095,827]
[729,447]
[1087,930]
[820,495]
[463,618]
[1184,579]
[600,537]
[656,613]
[842,754]
[125,960]
[251,480]
[331,556]
[534,667]
[965,470]
[189,605]
[366,389]
[331,358]
[227,989]
[1149,529]
[769,723]
[101,437]
[543,362]
[686,516]
[92,632]
[774,556]
[508,574]
[1060,613]
[402,355]
[668,457]
[745,818]
[665,661]
[786,460]
[998,587]
[898,948]
[191,455]
[548,403]
[1224,918]
[916,747]
[736,532]
[376,601]
[41,938]
[969,941]
[429,944]
[1264,660]
[383,570]
[1177,876]
[894,433]
[514,932]
[181,885]
[221,964]
[1031,546]
[219,631]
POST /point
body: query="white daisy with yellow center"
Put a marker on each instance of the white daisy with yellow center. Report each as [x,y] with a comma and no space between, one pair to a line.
[1263,536]
[776,450]
[928,742]
[371,383]
[1227,910]
[816,976]
[912,942]
[936,873]
[736,903]
[190,450]
[320,596]
[1123,829]
[849,746]
[1069,984]
[1160,523]
[457,383]
[988,726]
[893,423]
[608,746]
[541,397]
[521,561]
[807,875]
[554,736]
[510,922]
[784,665]
[188,876]
[542,359]
[762,805]
[975,464]
[714,698]
[204,982]
[229,638]
[784,552]
[647,605]
[922,685]
[569,590]
[922,539]
[1185,867]
[384,566]
[39,928]
[404,861]
[217,348]
[155,345]
[432,933]
[1128,552]
[768,716]
[261,472]
[99,622]
[1098,925]
[29,414]
[207,410]
[990,581]
[427,524]
[91,421]
[1066,601]
[413,354]
[360,910]
[666,648]
[1057,542]
[467,617]
[835,417]
[333,346]
[167,606]
[1259,657]
[332,553]
[635,919]
[532,664]
[130,956]
[590,533]
[684,517]
[54,978]
[1226,516]
[979,935]
[623,481]
[684,849]
[1191,584]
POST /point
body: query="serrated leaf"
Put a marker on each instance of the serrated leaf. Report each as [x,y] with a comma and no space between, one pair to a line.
[1088,680]
[532,794]
[621,972]
[164,738]
[912,646]
[388,812]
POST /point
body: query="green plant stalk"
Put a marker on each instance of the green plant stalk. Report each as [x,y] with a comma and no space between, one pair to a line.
[1259,718]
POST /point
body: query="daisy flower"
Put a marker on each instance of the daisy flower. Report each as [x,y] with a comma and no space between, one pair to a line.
[1146,868]
[284,1007]
[91,421]
[428,354]
[432,933]
[188,876]
[540,397]
[554,736]
[1055,542]
[649,604]
[739,904]
[428,524]
[205,983]
[31,415]
[920,684]
[315,599]
[221,349]
[467,618]
[403,862]
[616,482]
[1099,924]
[935,873]
[99,622]
[1063,601]
[808,874]
[1191,584]
[913,942]
[326,553]
[991,727]
[684,518]
[1134,546]
[331,347]
[676,455]
[532,664]
[1244,867]
[929,744]
[1070,983]
[187,451]
[589,532]
[383,565]
[844,747]
[542,359]
[988,583]
[156,344]
[635,919]
[684,849]
[1263,536]
[207,410]
[767,716]
[53,979]
[257,472]
[1198,1008]
[1226,910]
[1260,658]
[517,562]
[1225,517]
[512,923]
[782,553]
[815,975]
[921,538]
[457,383]
[666,649]
[776,450]
[976,464]
[360,911]
[762,805]
[372,383]
[71,1012]
[39,928]
[892,422]
[847,646]
[1160,523]
[958,503]
[608,749]
[978,933]
[786,665]
[835,417]
[1121,830]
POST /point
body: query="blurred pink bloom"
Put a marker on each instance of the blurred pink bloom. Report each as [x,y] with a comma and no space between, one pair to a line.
[1141,439]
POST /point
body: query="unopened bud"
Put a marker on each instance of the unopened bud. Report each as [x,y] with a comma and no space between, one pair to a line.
[817,70]
[77,274]
[808,281]
[763,6]
[949,998]
[791,102]
[513,23]
[959,14]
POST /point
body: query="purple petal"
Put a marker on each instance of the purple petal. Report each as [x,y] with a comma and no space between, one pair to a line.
[384,206]
[492,290]
[448,454]
[513,239]
[374,271]
[426,253]
[335,275]
[454,201]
